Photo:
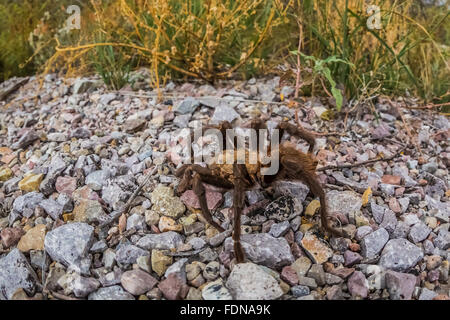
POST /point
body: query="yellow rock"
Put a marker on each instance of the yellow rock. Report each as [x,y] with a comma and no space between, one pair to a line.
[33,239]
[190,219]
[68,217]
[312,208]
[284,287]
[5,173]
[168,224]
[305,227]
[211,232]
[31,182]
[366,196]
[160,262]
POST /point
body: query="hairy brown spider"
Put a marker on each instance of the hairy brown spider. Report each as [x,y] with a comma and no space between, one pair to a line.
[293,165]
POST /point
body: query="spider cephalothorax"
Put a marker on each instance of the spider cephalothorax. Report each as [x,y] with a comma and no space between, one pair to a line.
[293,165]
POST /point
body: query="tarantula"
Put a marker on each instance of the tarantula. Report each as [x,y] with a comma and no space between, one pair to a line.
[293,165]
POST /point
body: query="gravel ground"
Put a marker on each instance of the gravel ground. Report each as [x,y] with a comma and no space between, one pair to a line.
[72,154]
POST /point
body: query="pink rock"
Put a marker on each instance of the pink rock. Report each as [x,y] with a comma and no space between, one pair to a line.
[10,236]
[191,200]
[357,285]
[389,179]
[137,281]
[351,258]
[66,185]
[400,285]
[394,205]
[172,287]
[289,275]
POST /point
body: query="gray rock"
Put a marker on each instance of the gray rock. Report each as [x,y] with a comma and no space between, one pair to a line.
[389,221]
[264,249]
[316,272]
[427,294]
[400,285]
[401,230]
[99,246]
[161,241]
[419,232]
[362,231]
[52,208]
[178,268]
[346,202]
[137,222]
[69,244]
[110,293]
[400,255]
[300,291]
[296,189]
[28,201]
[56,167]
[307,281]
[442,241]
[224,113]
[187,106]
[15,273]
[97,179]
[377,212]
[39,259]
[128,253]
[279,229]
[80,286]
[247,281]
[373,243]
[25,140]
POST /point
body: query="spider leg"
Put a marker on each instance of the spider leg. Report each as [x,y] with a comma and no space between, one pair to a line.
[238,206]
[304,170]
[200,192]
[298,132]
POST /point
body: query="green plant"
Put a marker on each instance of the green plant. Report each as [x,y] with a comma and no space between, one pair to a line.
[320,68]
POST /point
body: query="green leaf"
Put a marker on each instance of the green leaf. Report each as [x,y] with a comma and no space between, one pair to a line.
[338,96]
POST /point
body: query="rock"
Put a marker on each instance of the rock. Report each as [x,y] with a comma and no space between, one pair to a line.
[169,224]
[289,275]
[442,241]
[427,294]
[400,285]
[317,250]
[137,222]
[347,202]
[89,211]
[84,85]
[357,285]
[213,199]
[137,282]
[31,182]
[5,174]
[97,179]
[128,254]
[400,255]
[80,286]
[165,203]
[295,189]
[389,221]
[301,266]
[160,262]
[69,245]
[247,281]
[33,239]
[28,201]
[317,273]
[419,232]
[264,249]
[363,231]
[373,243]
[172,287]
[280,209]
[57,137]
[162,241]
[66,185]
[300,291]
[52,208]
[178,268]
[25,140]
[279,229]
[10,236]
[187,106]
[351,258]
[224,113]
[307,281]
[110,293]
[39,260]
[211,271]
[216,291]
[16,273]
[389,179]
